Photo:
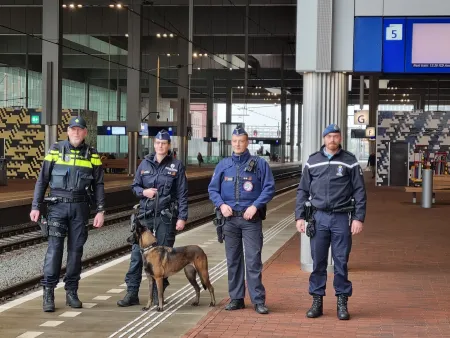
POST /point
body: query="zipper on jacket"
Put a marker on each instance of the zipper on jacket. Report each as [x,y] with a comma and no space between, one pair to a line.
[236,187]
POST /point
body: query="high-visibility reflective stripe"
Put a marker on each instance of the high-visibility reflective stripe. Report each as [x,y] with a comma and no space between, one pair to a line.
[49,157]
[96,161]
[79,162]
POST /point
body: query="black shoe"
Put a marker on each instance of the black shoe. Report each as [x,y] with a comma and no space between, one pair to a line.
[235,304]
[261,309]
[131,298]
[72,299]
[48,298]
[342,311]
[316,309]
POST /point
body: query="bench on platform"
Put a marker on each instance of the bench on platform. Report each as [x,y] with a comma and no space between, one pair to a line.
[441,184]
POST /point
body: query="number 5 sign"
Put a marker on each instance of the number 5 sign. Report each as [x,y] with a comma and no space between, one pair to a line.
[394,32]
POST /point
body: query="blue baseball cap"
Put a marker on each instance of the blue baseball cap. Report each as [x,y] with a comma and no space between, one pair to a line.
[239,131]
[163,135]
[332,128]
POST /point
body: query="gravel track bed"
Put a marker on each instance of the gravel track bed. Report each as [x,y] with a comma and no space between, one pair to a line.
[21,265]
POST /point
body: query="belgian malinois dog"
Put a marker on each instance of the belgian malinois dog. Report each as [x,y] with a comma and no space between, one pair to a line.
[161,262]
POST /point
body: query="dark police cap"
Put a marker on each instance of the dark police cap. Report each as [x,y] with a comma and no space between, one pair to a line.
[239,131]
[77,121]
[332,128]
[163,135]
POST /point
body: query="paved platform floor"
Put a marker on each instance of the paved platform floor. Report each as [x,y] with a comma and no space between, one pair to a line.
[399,266]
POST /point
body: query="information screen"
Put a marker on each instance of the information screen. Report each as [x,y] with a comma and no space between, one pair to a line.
[118,131]
[430,45]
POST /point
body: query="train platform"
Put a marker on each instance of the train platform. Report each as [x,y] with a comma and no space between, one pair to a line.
[101,287]
[19,192]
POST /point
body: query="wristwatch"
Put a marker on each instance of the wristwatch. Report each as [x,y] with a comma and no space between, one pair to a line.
[101,211]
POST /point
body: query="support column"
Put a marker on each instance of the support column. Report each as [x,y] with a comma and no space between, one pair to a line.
[209,111]
[374,89]
[153,89]
[229,103]
[118,110]
[324,102]
[299,131]
[133,82]
[51,68]
[283,113]
[86,94]
[292,131]
[184,82]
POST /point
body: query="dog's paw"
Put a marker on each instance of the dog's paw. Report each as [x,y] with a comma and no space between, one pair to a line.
[159,309]
[145,308]
[194,304]
[212,304]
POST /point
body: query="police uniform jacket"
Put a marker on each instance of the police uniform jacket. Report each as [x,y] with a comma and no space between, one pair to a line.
[70,171]
[329,183]
[169,177]
[236,186]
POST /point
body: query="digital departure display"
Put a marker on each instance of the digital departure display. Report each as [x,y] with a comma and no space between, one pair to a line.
[430,45]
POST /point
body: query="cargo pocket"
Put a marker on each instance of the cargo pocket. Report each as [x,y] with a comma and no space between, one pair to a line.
[59,178]
[84,180]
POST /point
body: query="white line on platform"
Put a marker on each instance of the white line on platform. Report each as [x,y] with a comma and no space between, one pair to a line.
[30,334]
[52,323]
[101,298]
[70,314]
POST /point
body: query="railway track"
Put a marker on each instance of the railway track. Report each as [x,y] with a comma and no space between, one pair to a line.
[34,282]
[29,234]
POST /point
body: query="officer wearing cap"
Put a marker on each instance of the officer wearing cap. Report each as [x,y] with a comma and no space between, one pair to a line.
[74,171]
[332,180]
[241,187]
[161,184]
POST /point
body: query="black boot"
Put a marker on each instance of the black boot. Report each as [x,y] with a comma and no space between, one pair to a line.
[316,309]
[342,311]
[72,299]
[131,298]
[48,299]
[235,304]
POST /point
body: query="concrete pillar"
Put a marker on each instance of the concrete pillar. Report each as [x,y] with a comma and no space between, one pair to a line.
[51,68]
[118,110]
[299,131]
[374,90]
[229,103]
[292,131]
[183,115]
[153,89]
[87,90]
[133,82]
[324,102]
[209,111]
[283,113]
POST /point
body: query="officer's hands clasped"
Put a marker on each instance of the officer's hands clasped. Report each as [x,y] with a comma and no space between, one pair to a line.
[226,210]
[150,192]
[250,212]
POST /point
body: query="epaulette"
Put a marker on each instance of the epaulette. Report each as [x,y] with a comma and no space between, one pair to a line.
[349,153]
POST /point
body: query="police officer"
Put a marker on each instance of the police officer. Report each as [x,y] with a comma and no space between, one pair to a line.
[331,178]
[241,187]
[161,184]
[72,169]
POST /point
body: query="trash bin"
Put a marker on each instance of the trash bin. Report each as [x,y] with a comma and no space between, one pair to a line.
[3,176]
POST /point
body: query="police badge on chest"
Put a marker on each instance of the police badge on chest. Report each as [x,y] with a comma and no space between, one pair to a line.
[248,186]
[340,171]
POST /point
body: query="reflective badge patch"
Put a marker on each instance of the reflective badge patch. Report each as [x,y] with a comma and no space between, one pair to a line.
[247,178]
[173,173]
[340,169]
[66,158]
[248,186]
[229,179]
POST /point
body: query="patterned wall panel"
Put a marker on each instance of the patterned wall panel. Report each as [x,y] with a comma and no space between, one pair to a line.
[25,142]
[415,128]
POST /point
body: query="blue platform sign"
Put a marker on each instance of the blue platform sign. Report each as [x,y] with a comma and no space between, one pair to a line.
[367,51]
[394,45]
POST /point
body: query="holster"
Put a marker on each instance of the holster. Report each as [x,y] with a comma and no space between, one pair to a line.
[219,221]
[309,218]
[43,224]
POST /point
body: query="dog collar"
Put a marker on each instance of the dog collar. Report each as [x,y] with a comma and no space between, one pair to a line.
[149,247]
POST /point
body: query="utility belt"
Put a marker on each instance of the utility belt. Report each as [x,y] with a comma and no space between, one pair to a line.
[57,199]
[52,228]
[347,207]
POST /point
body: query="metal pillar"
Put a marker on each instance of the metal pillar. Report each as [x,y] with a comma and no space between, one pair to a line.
[299,131]
[133,82]
[51,68]
[153,89]
[427,188]
[27,66]
[118,110]
[86,94]
[292,131]
[209,111]
[374,89]
[323,97]
[247,11]
[283,113]
[229,103]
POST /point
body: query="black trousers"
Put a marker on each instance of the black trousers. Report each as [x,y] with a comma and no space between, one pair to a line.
[75,217]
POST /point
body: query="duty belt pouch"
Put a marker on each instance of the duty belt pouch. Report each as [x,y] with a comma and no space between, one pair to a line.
[309,217]
[311,229]
[43,224]
[219,221]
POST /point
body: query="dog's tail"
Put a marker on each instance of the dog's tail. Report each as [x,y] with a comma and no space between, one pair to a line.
[201,265]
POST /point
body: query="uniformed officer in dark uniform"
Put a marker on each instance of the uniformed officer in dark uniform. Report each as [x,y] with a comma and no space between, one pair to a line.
[73,170]
[330,179]
[241,187]
[161,184]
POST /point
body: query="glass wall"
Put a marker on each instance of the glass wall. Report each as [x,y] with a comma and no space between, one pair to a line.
[101,100]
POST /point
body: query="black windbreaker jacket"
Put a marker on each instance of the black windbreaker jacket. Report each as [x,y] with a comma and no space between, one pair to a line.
[332,182]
